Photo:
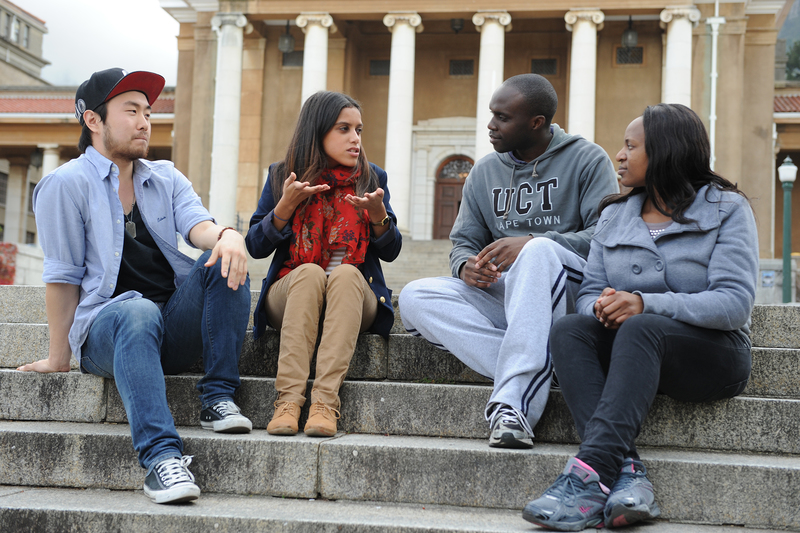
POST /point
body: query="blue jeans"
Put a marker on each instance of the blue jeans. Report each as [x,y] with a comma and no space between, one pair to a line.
[137,342]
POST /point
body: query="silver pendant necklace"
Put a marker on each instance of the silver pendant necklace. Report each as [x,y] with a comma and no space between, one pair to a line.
[130,225]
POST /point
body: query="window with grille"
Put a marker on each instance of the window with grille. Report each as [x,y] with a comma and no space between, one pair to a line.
[31,187]
[456,168]
[379,67]
[462,67]
[293,59]
[3,187]
[544,67]
[630,55]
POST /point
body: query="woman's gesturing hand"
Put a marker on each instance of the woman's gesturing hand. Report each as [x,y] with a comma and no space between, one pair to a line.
[294,193]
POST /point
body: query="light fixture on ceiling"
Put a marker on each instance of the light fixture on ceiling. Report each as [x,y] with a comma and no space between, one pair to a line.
[286,41]
[457,25]
[629,37]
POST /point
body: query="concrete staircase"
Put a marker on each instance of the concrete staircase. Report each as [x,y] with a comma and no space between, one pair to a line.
[411,454]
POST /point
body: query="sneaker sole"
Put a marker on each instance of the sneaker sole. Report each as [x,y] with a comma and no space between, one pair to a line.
[180,494]
[508,440]
[621,515]
[228,426]
[562,526]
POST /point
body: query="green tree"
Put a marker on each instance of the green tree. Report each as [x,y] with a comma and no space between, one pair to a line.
[793,62]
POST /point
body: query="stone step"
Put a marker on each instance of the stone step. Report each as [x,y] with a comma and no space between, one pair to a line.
[776,371]
[52,510]
[773,326]
[436,410]
[706,487]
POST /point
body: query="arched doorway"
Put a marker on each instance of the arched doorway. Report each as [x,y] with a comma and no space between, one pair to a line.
[449,182]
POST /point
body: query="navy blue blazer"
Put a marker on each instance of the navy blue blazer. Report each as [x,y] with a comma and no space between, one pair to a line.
[263,239]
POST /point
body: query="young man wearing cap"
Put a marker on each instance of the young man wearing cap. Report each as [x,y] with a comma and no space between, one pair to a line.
[119,294]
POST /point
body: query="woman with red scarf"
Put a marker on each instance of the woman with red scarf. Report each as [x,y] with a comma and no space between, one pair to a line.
[325,214]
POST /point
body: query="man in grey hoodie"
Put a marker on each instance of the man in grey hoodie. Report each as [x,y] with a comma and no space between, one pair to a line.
[520,243]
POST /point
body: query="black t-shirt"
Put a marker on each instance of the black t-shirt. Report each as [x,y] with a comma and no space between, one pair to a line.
[143,267]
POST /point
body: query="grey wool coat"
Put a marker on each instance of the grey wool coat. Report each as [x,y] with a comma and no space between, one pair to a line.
[702,273]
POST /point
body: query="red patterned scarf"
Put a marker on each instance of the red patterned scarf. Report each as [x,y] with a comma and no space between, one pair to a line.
[328,222]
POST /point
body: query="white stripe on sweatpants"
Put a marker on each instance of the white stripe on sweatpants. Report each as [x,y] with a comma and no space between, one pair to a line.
[501,332]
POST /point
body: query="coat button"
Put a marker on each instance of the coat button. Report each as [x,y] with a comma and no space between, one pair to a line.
[383,300]
[636,269]
[370,279]
[659,266]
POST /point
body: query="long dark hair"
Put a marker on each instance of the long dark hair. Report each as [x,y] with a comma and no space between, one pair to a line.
[679,154]
[306,155]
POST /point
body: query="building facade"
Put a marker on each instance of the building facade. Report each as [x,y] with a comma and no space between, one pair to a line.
[21,36]
[424,73]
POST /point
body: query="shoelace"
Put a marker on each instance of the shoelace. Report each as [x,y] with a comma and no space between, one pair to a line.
[284,408]
[327,411]
[173,470]
[226,408]
[508,414]
[566,487]
[626,479]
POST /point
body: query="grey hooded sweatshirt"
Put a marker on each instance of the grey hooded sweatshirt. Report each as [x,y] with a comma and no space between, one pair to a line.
[555,196]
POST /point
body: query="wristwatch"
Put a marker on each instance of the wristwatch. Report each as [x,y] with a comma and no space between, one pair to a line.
[383,222]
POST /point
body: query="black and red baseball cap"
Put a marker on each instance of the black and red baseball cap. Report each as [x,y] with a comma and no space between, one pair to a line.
[106,84]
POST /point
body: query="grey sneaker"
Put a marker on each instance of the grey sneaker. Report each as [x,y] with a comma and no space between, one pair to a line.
[631,499]
[574,502]
[509,428]
[171,482]
[225,417]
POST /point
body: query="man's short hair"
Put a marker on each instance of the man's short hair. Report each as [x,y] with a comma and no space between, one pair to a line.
[539,94]
[85,140]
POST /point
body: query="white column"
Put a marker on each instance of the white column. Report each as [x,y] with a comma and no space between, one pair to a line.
[51,158]
[492,26]
[227,106]
[584,25]
[678,21]
[400,117]
[16,201]
[316,26]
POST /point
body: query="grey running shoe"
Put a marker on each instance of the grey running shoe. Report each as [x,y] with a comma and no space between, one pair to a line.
[574,502]
[171,482]
[509,428]
[631,499]
[225,417]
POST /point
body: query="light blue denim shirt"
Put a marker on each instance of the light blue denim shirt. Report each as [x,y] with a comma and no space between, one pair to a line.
[81,223]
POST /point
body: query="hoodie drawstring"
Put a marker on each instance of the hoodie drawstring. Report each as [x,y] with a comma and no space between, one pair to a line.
[534,175]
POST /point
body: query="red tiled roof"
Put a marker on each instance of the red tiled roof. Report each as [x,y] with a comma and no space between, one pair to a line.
[56,104]
[786,104]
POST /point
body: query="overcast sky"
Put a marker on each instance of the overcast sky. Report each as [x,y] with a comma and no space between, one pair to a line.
[85,36]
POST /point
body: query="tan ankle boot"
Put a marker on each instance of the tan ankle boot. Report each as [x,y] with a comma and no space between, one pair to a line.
[284,420]
[321,420]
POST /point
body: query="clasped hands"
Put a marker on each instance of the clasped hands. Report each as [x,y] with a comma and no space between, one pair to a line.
[485,268]
[613,307]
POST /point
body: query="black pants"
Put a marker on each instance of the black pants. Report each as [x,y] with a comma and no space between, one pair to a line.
[609,378]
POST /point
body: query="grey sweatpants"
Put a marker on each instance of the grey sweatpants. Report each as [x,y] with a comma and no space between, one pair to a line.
[501,332]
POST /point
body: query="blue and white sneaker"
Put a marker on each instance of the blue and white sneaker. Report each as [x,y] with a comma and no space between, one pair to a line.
[171,482]
[575,501]
[631,499]
[225,417]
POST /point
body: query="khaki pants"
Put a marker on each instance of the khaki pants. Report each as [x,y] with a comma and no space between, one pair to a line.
[346,306]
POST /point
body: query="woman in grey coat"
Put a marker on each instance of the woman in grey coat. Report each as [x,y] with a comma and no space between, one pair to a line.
[665,306]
